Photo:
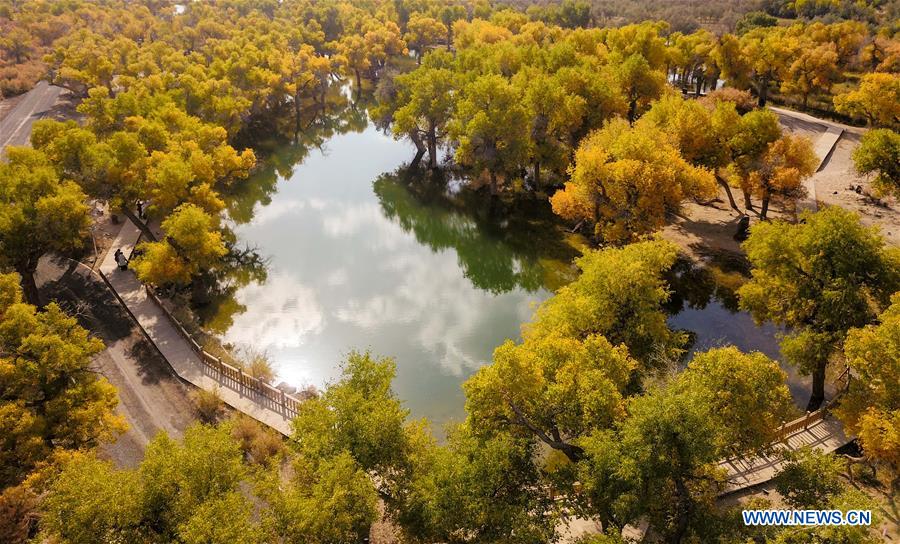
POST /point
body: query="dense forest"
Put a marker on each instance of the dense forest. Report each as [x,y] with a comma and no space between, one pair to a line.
[617,113]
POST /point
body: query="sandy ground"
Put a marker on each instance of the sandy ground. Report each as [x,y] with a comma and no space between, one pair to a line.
[707,229]
[836,185]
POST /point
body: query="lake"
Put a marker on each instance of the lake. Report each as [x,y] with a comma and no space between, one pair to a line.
[361,257]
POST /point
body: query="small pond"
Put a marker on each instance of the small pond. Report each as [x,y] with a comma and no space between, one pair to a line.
[360,257]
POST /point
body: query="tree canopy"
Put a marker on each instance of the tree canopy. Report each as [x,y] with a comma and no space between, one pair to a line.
[39,213]
[871,408]
[625,180]
[51,400]
[821,278]
[879,154]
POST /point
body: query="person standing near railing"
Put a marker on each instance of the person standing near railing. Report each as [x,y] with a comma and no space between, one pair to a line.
[121,260]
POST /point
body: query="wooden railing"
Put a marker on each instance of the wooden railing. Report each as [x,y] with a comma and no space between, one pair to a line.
[805,421]
[233,377]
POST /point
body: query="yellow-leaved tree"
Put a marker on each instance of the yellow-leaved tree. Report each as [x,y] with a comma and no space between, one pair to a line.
[877,100]
[52,400]
[39,213]
[192,244]
[626,179]
[871,408]
[779,171]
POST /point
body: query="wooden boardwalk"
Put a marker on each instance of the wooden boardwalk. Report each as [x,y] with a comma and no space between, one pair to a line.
[238,390]
[823,433]
[818,430]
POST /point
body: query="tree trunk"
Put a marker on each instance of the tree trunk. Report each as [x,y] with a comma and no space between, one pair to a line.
[493,183]
[358,80]
[432,146]
[420,147]
[818,387]
[632,111]
[297,112]
[573,452]
[683,512]
[765,207]
[537,175]
[763,92]
[727,188]
[29,287]
[747,202]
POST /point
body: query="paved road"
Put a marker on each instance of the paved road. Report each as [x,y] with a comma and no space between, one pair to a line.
[15,128]
[807,118]
[151,397]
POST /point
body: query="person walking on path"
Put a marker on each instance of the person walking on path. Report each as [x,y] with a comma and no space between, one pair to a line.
[121,260]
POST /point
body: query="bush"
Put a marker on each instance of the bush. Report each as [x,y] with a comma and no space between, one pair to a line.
[257,364]
[209,405]
[742,100]
[307,392]
[18,514]
[260,444]
[754,19]
[16,79]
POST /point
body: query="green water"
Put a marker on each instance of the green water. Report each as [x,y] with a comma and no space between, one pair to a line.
[361,254]
[359,260]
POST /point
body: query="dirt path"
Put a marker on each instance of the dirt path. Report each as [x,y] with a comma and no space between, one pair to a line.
[151,397]
[706,230]
[837,184]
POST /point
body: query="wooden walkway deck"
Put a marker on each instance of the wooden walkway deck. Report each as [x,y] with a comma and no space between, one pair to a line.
[240,391]
[818,430]
[824,434]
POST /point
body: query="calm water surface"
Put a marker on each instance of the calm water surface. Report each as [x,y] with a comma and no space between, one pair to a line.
[359,259]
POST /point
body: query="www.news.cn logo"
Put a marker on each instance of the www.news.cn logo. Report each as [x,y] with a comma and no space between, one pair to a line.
[807,517]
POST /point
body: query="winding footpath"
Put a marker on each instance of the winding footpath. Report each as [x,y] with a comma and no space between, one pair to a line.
[163,333]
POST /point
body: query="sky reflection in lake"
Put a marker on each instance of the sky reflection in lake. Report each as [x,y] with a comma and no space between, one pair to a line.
[345,275]
[359,257]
